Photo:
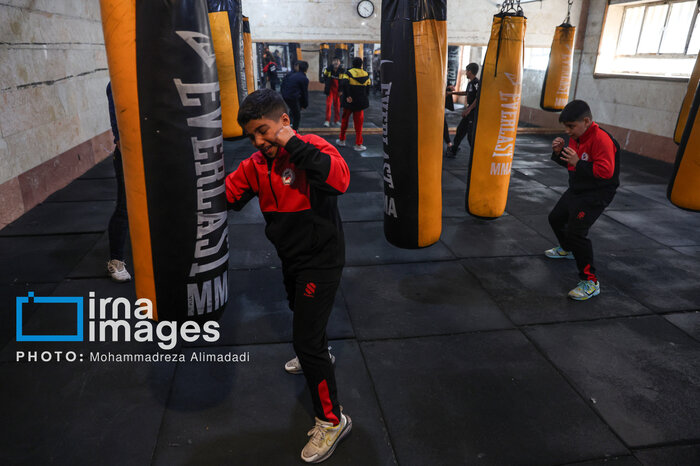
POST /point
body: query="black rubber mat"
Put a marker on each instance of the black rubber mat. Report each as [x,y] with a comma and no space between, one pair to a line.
[636,373]
[482,392]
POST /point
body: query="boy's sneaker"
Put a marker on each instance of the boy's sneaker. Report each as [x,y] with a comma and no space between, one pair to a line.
[340,142]
[324,438]
[117,270]
[558,253]
[326,124]
[293,366]
[336,123]
[585,289]
[359,147]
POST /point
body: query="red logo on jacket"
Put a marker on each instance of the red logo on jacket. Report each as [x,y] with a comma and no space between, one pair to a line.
[310,290]
[288,177]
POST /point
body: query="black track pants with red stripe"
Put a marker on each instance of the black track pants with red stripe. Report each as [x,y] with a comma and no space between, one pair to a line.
[571,219]
[311,294]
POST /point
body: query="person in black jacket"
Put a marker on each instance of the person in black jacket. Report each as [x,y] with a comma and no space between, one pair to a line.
[295,91]
[297,180]
[466,125]
[355,84]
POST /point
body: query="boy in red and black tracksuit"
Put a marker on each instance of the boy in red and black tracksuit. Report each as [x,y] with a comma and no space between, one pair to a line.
[331,81]
[297,180]
[593,161]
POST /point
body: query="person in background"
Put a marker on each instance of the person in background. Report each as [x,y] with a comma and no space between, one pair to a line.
[331,81]
[449,105]
[355,84]
[270,71]
[295,91]
[466,126]
[119,222]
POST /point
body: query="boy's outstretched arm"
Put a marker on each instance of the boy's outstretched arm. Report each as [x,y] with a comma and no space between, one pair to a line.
[325,167]
[238,188]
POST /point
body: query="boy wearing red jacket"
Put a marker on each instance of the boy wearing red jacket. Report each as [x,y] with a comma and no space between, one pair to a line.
[297,180]
[593,161]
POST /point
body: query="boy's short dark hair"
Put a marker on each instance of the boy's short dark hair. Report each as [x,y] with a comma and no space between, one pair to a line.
[336,58]
[303,66]
[576,110]
[263,103]
[357,62]
[473,67]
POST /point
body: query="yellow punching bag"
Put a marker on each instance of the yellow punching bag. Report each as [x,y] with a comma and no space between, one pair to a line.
[227,35]
[687,102]
[683,189]
[498,111]
[248,56]
[557,78]
[413,73]
[165,87]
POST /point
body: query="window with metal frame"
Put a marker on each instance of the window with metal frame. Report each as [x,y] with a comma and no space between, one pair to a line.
[669,29]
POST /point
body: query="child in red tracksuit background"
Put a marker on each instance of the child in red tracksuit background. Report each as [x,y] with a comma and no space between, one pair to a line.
[592,160]
[297,180]
[331,81]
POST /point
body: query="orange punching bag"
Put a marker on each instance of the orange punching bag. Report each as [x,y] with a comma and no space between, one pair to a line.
[687,102]
[226,21]
[248,56]
[683,189]
[557,78]
[498,111]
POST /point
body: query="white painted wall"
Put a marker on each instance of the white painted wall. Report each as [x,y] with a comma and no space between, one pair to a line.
[53,75]
[468,21]
[650,106]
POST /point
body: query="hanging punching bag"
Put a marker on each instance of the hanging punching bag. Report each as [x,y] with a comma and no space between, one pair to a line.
[687,102]
[413,67]
[226,22]
[248,56]
[683,189]
[166,94]
[498,111]
[557,78]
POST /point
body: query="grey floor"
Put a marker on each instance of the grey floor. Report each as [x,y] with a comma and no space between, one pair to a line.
[466,352]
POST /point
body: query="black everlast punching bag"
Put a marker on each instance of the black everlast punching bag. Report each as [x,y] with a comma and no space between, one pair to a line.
[413,67]
[166,93]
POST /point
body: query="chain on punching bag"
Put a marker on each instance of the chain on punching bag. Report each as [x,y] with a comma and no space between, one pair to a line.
[166,95]
[683,189]
[226,21]
[557,78]
[498,111]
[687,102]
[248,56]
[413,68]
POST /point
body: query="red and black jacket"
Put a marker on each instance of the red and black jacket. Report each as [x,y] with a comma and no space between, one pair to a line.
[331,79]
[297,191]
[599,166]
